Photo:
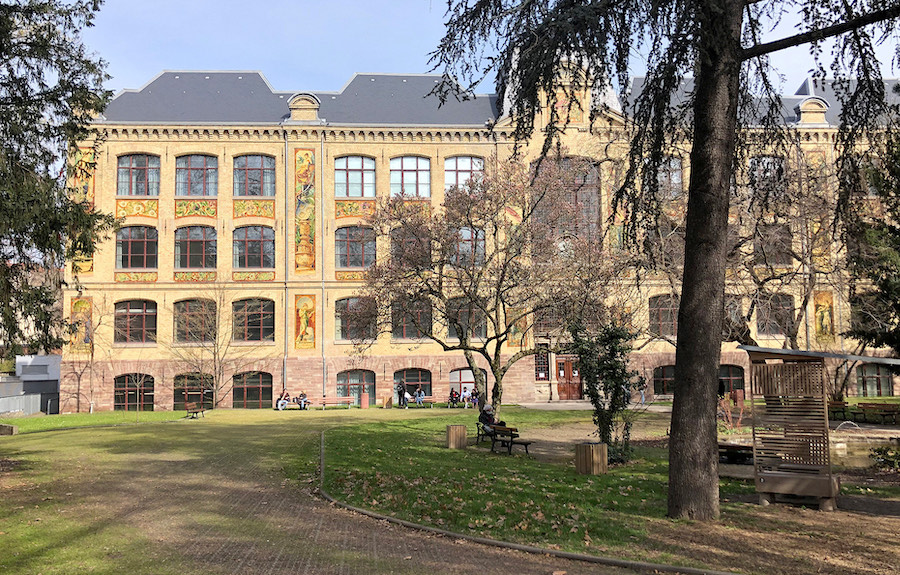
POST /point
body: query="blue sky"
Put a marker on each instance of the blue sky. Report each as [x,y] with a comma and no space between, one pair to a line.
[299,45]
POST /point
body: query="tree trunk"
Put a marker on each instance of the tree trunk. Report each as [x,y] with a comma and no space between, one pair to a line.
[693,454]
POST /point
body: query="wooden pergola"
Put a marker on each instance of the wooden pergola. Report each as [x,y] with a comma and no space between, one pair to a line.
[791,454]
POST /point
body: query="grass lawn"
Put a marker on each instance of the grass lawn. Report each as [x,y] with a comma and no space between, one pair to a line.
[112,499]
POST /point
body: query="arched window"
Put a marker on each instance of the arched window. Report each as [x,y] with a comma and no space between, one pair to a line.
[193,387]
[767,176]
[133,392]
[354,177]
[410,319]
[138,175]
[411,177]
[773,245]
[664,380]
[254,175]
[413,379]
[459,169]
[195,321]
[469,316]
[135,321]
[354,247]
[254,320]
[196,175]
[775,314]
[354,383]
[254,247]
[251,390]
[731,377]
[195,247]
[469,249]
[664,315]
[463,377]
[136,248]
[354,318]
[670,178]
[873,380]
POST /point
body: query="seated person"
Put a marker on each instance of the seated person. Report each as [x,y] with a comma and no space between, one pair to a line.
[475,397]
[283,400]
[466,397]
[420,398]
[487,419]
[406,398]
[302,400]
[454,398]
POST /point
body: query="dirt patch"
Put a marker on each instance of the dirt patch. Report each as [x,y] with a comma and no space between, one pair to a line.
[8,464]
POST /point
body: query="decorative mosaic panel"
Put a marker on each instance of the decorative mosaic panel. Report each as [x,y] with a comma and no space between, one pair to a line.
[146,208]
[354,208]
[253,276]
[195,276]
[305,322]
[83,176]
[573,114]
[82,339]
[132,277]
[83,266]
[254,208]
[823,302]
[350,276]
[185,208]
[304,210]
[518,330]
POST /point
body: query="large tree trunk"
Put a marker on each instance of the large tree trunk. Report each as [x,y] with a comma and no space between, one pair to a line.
[693,455]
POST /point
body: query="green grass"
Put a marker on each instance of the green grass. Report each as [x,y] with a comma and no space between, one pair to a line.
[403,469]
[37,423]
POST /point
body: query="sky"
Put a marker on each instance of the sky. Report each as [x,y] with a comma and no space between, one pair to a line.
[298,45]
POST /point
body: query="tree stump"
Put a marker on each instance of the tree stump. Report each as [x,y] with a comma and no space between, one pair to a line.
[8,429]
[457,437]
[591,458]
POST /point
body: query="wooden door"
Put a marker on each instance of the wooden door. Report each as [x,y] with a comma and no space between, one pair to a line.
[568,378]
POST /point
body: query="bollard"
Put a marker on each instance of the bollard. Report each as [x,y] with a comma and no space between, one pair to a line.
[591,458]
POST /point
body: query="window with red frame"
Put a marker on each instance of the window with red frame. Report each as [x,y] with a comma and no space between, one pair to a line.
[135,321]
[459,169]
[354,247]
[195,247]
[254,247]
[136,247]
[664,315]
[251,390]
[410,319]
[195,321]
[354,177]
[196,175]
[138,175]
[254,320]
[411,177]
[254,176]
[133,392]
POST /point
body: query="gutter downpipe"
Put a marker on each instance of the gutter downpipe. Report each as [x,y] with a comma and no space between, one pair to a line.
[321,203]
[287,252]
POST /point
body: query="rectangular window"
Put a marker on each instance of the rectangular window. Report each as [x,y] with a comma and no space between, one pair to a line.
[354,177]
[254,176]
[775,315]
[460,169]
[411,177]
[542,363]
[772,245]
[138,175]
[196,176]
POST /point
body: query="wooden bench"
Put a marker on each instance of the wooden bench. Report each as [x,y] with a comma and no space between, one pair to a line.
[735,453]
[506,437]
[883,410]
[835,407]
[194,408]
[429,399]
[323,401]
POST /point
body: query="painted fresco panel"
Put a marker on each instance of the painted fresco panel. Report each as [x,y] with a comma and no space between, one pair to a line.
[305,322]
[305,210]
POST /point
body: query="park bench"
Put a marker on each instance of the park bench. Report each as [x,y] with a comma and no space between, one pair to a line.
[735,453]
[429,399]
[323,401]
[883,410]
[506,437]
[837,407]
[193,409]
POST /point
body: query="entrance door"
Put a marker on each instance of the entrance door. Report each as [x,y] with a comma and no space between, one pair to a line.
[568,378]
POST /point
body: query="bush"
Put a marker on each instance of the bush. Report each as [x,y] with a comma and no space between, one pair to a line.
[8,365]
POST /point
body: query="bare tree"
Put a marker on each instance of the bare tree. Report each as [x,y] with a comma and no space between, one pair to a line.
[532,45]
[216,338]
[505,248]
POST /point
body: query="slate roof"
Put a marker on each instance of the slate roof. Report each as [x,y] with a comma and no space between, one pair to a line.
[245,97]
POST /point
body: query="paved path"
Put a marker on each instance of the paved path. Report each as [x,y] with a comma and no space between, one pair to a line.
[215,495]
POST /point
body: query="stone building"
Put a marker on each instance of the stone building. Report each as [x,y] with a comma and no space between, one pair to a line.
[246,205]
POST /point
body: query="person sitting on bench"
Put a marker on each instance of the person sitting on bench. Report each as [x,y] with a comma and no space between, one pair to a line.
[302,400]
[487,419]
[283,400]
[454,398]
